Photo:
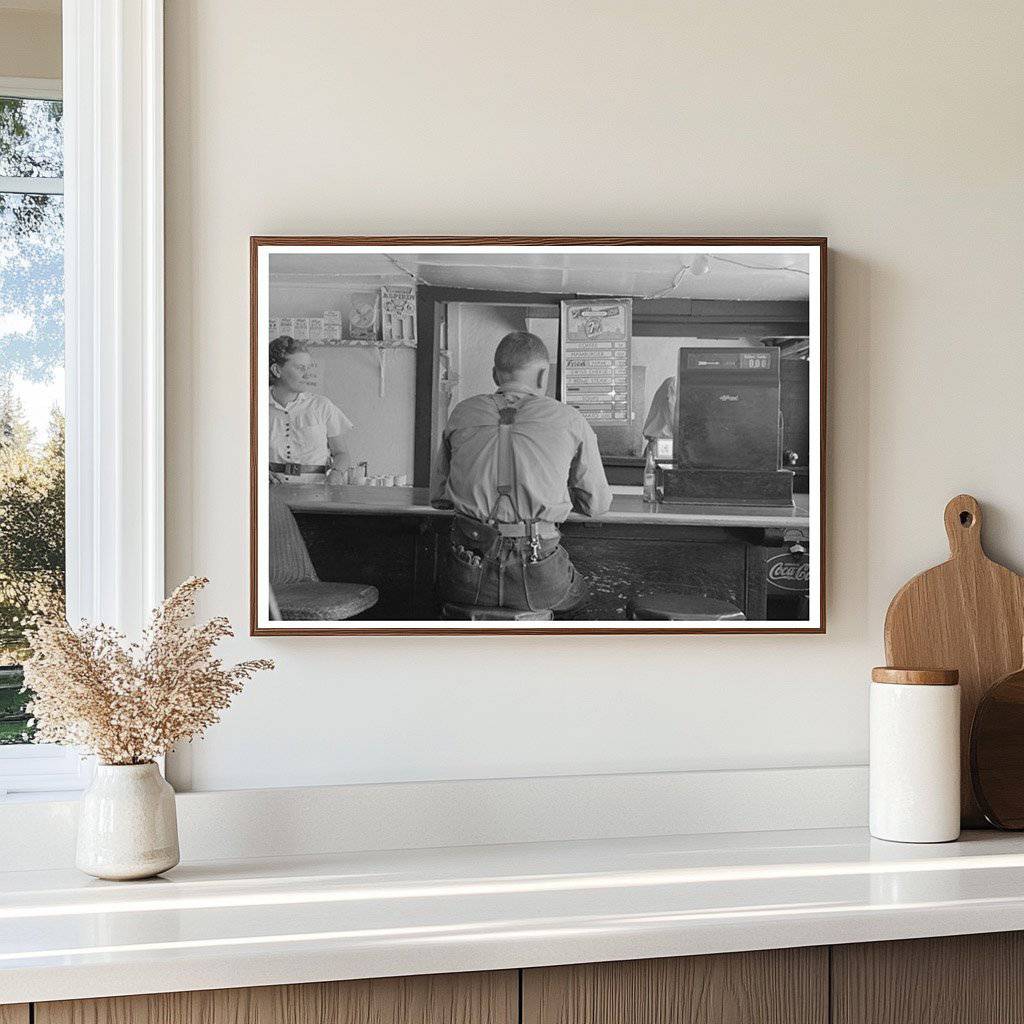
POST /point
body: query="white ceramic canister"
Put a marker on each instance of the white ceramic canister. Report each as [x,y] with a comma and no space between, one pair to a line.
[915,755]
[127,825]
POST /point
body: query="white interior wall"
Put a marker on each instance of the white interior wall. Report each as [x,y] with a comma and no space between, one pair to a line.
[887,127]
[660,357]
[477,330]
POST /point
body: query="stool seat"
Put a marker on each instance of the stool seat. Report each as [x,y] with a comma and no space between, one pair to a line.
[476,613]
[681,607]
[313,599]
[297,593]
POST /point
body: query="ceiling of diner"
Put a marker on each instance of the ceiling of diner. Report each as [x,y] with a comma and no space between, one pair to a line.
[737,274]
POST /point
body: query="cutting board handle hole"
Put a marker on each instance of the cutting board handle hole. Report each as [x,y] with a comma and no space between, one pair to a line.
[962,517]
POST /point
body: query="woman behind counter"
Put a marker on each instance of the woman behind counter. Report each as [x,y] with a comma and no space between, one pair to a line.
[307,431]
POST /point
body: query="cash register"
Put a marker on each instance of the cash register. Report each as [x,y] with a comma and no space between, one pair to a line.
[727,448]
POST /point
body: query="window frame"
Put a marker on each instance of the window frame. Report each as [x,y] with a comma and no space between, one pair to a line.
[112,91]
[31,89]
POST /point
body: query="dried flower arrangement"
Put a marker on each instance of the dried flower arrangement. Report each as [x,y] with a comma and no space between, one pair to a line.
[129,703]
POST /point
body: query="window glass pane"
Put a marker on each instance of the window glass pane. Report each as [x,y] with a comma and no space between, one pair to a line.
[14,727]
[31,138]
[31,429]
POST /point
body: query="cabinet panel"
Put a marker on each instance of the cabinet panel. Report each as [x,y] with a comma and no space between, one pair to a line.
[478,998]
[961,979]
[14,1013]
[621,560]
[779,986]
[382,551]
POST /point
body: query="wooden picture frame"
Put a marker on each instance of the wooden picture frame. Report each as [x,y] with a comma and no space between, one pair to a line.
[659,314]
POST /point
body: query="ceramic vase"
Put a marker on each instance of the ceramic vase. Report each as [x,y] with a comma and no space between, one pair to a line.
[127,825]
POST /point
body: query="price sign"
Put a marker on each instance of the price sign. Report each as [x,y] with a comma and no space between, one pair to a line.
[596,351]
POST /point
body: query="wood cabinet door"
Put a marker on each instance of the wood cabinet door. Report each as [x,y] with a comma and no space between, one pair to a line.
[960,979]
[621,558]
[14,1013]
[478,998]
[778,986]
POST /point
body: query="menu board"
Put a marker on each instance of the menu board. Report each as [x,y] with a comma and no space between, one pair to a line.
[596,348]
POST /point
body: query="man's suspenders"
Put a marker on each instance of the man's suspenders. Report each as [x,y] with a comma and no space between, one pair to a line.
[506,473]
[506,460]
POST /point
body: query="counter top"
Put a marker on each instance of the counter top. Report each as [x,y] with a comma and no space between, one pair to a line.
[300,919]
[626,508]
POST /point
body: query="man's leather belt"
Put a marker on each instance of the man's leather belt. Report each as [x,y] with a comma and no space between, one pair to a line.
[295,468]
[523,529]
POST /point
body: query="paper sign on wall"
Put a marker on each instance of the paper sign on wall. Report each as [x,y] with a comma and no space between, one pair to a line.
[597,338]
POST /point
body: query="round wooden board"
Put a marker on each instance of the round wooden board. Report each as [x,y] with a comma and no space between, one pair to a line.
[997,753]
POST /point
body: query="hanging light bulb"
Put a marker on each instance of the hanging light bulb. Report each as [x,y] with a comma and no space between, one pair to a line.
[701,264]
[697,267]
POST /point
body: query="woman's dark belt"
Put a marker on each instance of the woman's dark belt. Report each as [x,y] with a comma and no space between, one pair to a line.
[295,468]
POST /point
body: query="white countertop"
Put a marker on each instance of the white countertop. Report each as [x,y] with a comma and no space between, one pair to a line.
[299,919]
[345,499]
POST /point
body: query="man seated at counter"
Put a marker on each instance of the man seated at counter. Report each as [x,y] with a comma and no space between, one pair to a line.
[513,464]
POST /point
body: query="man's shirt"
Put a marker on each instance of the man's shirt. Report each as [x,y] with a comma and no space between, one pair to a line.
[299,430]
[556,463]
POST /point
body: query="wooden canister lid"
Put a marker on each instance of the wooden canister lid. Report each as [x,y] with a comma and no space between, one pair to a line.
[916,676]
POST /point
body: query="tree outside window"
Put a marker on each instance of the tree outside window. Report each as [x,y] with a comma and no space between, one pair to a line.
[31,384]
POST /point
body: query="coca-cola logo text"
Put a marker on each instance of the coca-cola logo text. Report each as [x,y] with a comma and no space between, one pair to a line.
[789,572]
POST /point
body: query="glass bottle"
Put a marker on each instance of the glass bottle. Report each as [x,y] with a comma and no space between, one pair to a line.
[650,475]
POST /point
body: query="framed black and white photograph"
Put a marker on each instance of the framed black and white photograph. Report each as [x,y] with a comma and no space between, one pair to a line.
[537,435]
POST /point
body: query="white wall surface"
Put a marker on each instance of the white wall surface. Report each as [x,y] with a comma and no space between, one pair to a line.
[895,129]
[473,337]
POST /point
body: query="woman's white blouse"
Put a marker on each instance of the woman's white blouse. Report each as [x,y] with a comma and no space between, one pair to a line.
[299,430]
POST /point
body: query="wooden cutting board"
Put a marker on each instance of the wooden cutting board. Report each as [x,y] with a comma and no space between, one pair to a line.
[967,614]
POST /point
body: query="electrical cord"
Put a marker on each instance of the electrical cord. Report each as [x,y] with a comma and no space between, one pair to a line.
[754,266]
[417,279]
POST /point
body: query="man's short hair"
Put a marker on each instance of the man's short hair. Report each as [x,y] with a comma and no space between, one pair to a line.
[517,351]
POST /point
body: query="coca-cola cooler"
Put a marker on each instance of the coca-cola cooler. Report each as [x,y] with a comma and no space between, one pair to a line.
[788,574]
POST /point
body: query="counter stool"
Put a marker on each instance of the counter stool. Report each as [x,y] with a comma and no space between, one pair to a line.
[475,613]
[298,591]
[681,607]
